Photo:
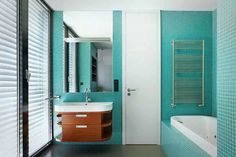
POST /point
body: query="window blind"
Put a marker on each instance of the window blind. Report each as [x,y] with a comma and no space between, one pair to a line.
[38,61]
[72,65]
[9,126]
[64,61]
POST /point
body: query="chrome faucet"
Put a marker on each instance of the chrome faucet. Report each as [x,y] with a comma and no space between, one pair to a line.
[87,98]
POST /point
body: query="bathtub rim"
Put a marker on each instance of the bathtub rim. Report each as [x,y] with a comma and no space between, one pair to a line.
[194,137]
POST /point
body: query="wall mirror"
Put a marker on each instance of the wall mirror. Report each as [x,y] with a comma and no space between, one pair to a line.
[88,51]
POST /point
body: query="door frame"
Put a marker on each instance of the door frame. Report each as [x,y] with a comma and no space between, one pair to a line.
[124,71]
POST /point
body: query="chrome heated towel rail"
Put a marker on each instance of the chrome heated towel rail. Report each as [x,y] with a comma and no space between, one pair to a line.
[188,72]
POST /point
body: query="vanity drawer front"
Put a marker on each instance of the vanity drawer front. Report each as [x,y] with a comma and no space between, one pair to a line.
[81,132]
[87,118]
[81,118]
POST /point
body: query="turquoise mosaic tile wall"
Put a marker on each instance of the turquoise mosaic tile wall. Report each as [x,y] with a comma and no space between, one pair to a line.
[175,144]
[185,25]
[57,82]
[226,77]
[115,97]
[214,62]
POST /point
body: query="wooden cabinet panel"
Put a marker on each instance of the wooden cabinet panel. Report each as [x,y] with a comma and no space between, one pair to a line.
[86,127]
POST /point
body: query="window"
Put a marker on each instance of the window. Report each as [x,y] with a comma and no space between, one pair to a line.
[64,61]
[38,61]
[9,115]
[11,83]
[72,65]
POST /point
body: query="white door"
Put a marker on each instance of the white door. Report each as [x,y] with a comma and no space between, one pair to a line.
[142,78]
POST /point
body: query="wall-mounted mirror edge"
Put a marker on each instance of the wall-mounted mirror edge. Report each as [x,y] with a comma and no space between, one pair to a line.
[89,39]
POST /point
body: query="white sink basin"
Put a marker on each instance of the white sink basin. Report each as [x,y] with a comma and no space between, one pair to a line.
[84,107]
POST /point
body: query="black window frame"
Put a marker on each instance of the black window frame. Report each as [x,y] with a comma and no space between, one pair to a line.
[23,28]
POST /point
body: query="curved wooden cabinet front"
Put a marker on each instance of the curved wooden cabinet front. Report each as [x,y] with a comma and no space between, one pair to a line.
[86,126]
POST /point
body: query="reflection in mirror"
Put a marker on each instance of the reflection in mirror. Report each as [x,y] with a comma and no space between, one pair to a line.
[87,51]
[104,66]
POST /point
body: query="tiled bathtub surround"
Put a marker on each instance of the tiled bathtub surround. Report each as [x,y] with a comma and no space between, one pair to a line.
[186,25]
[175,144]
[226,77]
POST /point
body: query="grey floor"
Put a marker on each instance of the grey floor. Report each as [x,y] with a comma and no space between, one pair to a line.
[104,151]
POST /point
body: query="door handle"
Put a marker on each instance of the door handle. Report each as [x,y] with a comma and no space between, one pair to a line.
[131,90]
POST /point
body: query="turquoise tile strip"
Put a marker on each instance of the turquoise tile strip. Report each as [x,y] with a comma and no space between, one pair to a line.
[185,25]
[175,144]
[214,63]
[226,77]
[115,97]
[117,47]
[57,52]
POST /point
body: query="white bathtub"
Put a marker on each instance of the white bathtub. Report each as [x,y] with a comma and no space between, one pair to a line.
[202,130]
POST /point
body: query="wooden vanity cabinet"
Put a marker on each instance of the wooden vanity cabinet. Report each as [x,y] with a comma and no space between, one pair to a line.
[86,126]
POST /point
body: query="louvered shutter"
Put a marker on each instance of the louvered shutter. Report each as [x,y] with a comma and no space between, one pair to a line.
[39,108]
[9,126]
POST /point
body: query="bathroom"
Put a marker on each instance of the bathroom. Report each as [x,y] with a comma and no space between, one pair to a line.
[124,78]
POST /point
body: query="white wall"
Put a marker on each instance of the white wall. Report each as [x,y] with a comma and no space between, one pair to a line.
[73,5]
[105,69]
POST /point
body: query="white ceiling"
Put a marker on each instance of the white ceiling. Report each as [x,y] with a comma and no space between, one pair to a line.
[75,5]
